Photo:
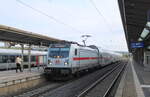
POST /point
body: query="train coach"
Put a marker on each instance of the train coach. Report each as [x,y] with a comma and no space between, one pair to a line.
[65,59]
[8,56]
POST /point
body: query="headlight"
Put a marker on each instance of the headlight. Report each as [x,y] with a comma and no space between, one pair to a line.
[66,63]
[50,63]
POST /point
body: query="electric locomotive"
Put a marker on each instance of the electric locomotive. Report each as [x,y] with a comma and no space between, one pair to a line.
[66,59]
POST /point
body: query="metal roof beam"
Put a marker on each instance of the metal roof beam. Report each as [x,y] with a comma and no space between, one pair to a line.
[21,36]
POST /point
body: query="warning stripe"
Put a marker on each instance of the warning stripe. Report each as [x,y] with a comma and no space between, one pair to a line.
[85,58]
[89,58]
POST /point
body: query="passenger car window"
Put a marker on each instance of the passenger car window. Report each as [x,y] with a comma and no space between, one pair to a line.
[1,60]
[75,52]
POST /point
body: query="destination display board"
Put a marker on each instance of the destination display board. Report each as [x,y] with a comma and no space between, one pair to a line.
[137,45]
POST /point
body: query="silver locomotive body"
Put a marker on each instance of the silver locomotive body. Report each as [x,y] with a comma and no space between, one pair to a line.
[67,59]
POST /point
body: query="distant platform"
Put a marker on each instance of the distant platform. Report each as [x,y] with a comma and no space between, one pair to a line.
[12,82]
[11,75]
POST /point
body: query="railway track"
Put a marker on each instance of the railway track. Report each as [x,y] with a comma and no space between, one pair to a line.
[78,87]
[104,85]
[39,91]
[42,90]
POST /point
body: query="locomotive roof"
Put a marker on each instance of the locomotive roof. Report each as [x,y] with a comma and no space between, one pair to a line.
[83,47]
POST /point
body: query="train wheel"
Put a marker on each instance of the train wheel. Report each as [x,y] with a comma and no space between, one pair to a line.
[77,74]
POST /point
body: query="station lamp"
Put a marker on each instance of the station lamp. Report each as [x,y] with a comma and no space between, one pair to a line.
[148,24]
[148,47]
[144,33]
[140,39]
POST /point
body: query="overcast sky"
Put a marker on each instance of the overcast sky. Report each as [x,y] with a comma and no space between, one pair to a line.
[80,17]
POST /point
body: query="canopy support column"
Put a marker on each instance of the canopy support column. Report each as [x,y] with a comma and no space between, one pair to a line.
[29,57]
[22,50]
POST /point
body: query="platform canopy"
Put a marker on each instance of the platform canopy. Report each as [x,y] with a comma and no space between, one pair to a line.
[135,17]
[11,34]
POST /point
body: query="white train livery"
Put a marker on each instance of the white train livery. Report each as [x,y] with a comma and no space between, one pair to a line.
[8,56]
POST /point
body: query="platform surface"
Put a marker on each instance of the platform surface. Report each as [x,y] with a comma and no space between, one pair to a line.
[129,87]
[11,75]
[136,81]
[143,74]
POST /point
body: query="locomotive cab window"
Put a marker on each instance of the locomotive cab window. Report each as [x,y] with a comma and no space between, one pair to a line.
[75,52]
[61,52]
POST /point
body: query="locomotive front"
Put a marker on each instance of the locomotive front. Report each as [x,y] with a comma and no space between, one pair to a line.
[58,59]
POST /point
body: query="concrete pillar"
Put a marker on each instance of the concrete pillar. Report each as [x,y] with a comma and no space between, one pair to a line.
[29,56]
[142,60]
[139,56]
[145,58]
[22,50]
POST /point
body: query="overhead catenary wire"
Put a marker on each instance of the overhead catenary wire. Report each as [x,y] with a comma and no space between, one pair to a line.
[64,9]
[99,12]
[49,16]
[101,15]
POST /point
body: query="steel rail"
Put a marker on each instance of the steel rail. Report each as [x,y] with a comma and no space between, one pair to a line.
[96,82]
[113,82]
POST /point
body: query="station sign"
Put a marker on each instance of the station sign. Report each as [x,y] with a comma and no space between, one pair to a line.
[137,45]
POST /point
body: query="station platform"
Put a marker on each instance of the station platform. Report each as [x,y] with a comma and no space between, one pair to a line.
[135,81]
[11,82]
